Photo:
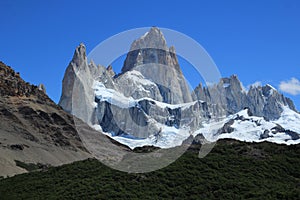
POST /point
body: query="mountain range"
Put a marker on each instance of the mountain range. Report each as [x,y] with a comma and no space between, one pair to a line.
[150,97]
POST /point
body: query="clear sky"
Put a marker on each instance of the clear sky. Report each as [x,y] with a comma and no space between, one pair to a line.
[257,40]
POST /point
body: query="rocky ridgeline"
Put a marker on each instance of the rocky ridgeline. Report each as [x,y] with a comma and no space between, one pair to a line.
[263,101]
[11,84]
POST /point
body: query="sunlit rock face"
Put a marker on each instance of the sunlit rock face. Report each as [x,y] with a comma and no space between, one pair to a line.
[229,94]
[151,56]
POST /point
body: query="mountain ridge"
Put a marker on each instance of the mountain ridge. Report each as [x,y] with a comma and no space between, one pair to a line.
[263,101]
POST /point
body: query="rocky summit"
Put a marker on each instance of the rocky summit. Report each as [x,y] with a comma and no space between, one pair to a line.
[151,56]
[149,99]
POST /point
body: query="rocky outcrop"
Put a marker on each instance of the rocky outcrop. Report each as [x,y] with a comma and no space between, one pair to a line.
[42,87]
[12,85]
[150,48]
[226,127]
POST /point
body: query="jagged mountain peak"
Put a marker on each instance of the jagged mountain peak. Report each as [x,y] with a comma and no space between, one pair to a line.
[110,71]
[231,82]
[80,50]
[154,38]
[79,57]
[151,48]
[229,93]
[151,56]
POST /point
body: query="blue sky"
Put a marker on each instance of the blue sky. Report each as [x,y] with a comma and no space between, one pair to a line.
[257,40]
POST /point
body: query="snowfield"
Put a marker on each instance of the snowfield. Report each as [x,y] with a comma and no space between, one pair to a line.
[169,137]
[251,128]
[116,98]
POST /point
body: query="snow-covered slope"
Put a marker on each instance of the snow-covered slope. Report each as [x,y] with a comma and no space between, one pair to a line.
[118,99]
[241,126]
[167,138]
[289,120]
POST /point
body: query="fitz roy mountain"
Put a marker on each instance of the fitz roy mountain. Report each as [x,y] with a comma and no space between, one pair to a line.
[150,103]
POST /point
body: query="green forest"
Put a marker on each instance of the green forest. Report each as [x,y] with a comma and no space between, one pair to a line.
[233,170]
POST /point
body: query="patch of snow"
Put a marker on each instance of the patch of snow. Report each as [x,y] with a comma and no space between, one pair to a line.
[271,87]
[138,78]
[97,127]
[112,96]
[225,85]
[95,105]
[248,130]
[168,138]
[244,89]
[209,130]
[118,99]
[289,120]
[144,35]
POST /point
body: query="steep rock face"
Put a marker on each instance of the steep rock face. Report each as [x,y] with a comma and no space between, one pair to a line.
[145,117]
[231,97]
[226,97]
[120,121]
[33,129]
[150,48]
[268,102]
[77,64]
[158,63]
[77,92]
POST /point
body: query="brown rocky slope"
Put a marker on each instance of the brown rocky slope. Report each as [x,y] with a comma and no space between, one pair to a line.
[33,129]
